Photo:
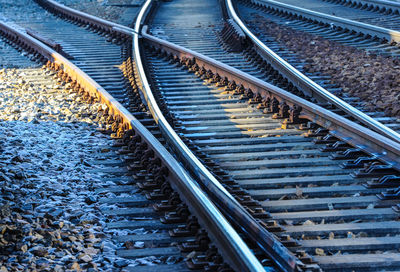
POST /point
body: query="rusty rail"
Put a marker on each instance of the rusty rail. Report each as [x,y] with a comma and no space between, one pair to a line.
[230,207]
[234,249]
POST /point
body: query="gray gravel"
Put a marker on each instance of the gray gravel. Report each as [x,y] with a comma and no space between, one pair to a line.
[49,217]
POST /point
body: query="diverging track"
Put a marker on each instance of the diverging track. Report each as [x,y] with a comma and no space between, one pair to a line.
[301,183]
[307,185]
[155,172]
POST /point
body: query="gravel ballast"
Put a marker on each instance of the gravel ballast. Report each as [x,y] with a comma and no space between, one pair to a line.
[49,215]
[372,78]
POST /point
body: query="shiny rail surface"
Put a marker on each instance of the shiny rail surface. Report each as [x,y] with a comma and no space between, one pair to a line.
[348,131]
[280,254]
[201,172]
[232,246]
[305,83]
[226,202]
[343,129]
[342,35]
[333,37]
[222,195]
[241,136]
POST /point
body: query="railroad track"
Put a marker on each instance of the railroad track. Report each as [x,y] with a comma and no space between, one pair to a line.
[267,42]
[347,30]
[377,13]
[236,136]
[273,71]
[155,172]
[326,208]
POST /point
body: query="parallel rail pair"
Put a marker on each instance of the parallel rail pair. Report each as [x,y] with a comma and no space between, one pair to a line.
[232,247]
[341,127]
[303,82]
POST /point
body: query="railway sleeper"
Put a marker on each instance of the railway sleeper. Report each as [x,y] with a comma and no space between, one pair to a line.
[119,131]
[168,219]
[330,208]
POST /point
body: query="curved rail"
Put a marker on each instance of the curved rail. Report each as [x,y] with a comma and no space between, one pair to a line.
[230,206]
[384,33]
[233,248]
[363,138]
[357,135]
[305,83]
[283,258]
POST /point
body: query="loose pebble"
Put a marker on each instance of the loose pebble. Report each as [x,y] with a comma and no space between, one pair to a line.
[319,252]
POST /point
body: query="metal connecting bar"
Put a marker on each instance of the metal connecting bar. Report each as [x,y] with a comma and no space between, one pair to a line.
[358,136]
[238,255]
[374,31]
[306,84]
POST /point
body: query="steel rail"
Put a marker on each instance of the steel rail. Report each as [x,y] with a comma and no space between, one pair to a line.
[356,135]
[305,83]
[361,137]
[228,204]
[238,255]
[367,29]
[241,257]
